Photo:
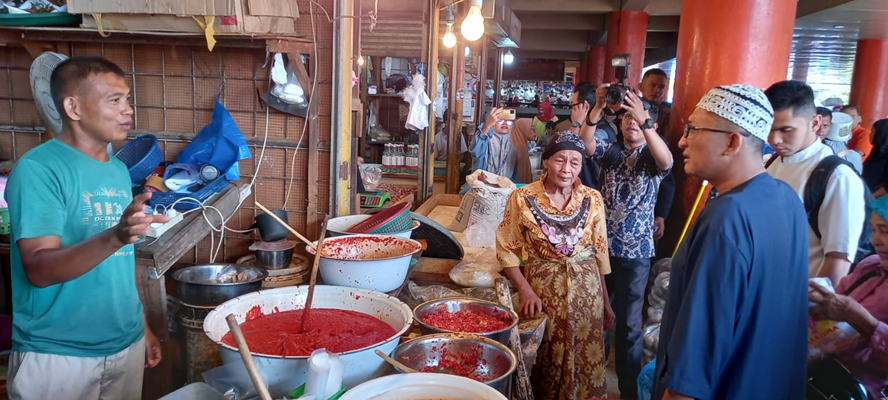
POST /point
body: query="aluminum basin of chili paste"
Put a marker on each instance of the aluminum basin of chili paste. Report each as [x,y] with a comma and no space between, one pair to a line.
[470,356]
[430,312]
[283,373]
[375,262]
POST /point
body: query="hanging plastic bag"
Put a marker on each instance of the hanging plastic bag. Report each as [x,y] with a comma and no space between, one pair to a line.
[478,268]
[219,144]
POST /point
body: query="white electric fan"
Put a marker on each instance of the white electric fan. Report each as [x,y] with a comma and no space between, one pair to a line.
[41,70]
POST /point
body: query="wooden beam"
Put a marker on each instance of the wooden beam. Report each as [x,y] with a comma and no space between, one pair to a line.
[565,6]
[560,21]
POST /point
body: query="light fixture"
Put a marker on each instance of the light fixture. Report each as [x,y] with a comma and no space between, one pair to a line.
[449,38]
[468,51]
[360,61]
[508,58]
[472,27]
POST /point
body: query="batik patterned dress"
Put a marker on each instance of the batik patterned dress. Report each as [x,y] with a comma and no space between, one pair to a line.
[566,250]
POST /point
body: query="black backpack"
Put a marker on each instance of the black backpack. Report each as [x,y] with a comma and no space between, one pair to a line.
[815,192]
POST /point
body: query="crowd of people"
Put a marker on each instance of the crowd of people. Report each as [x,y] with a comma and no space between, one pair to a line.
[798,197]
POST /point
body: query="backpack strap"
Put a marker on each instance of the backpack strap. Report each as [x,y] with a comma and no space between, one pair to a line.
[861,281]
[771,160]
[815,188]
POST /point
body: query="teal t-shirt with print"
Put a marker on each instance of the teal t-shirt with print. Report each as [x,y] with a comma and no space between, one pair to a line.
[56,190]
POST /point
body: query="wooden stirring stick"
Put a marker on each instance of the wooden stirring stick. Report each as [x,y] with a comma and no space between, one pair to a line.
[395,363]
[252,369]
[314,276]
[289,228]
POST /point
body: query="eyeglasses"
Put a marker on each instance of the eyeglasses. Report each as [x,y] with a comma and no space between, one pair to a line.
[506,121]
[689,128]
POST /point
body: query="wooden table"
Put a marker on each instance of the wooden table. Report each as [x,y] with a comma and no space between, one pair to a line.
[153,259]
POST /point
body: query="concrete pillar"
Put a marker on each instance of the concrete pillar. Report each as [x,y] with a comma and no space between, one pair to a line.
[595,64]
[754,50]
[626,34]
[869,84]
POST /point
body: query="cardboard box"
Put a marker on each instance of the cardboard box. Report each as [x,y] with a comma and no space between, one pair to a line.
[231,16]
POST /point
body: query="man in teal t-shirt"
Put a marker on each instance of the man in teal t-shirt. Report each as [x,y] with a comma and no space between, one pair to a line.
[78,327]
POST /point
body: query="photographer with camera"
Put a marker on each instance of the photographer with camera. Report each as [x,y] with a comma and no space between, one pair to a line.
[632,167]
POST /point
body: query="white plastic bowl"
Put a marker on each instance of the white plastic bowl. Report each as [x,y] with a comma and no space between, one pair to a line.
[283,374]
[337,226]
[422,386]
[375,262]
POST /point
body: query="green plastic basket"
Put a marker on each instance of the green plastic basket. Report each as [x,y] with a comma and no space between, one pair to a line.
[396,218]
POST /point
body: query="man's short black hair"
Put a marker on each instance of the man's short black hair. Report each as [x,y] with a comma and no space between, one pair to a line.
[68,77]
[655,71]
[824,112]
[586,91]
[852,106]
[794,95]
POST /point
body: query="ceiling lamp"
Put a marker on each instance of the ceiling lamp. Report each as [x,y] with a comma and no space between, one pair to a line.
[473,26]
[468,51]
[508,58]
[449,39]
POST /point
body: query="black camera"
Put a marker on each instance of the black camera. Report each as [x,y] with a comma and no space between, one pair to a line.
[616,93]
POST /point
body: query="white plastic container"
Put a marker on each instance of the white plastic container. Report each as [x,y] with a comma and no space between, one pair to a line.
[337,226]
[422,386]
[375,262]
[283,374]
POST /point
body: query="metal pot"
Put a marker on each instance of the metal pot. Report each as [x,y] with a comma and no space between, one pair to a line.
[274,259]
[455,304]
[426,352]
[271,230]
[199,285]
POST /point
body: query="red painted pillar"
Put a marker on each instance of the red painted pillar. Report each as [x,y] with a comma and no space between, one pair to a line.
[595,64]
[626,34]
[869,84]
[758,45]
[580,75]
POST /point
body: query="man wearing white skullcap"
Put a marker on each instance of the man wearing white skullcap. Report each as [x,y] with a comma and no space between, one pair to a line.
[735,322]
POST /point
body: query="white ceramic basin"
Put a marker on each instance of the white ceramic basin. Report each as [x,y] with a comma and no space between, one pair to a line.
[375,262]
[283,374]
[422,386]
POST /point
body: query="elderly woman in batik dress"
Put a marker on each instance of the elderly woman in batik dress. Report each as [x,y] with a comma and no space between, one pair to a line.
[558,226]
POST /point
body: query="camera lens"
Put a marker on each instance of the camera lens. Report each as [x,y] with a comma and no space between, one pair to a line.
[615,94]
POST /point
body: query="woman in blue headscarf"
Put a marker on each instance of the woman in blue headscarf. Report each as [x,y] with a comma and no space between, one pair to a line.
[861,300]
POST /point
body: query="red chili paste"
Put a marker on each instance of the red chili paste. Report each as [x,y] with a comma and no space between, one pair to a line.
[465,321]
[465,364]
[338,331]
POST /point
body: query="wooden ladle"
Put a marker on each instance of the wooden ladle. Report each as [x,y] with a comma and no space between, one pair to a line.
[314,276]
[252,369]
[395,363]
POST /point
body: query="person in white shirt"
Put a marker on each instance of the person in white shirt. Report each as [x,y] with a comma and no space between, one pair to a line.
[799,150]
[441,142]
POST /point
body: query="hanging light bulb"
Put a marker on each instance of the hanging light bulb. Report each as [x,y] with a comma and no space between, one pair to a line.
[449,38]
[472,27]
[508,58]
[360,61]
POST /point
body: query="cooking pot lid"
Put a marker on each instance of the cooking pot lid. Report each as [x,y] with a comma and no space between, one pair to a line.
[273,246]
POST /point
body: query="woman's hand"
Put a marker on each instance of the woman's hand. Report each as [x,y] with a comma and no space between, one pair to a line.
[609,316]
[840,308]
[492,119]
[530,302]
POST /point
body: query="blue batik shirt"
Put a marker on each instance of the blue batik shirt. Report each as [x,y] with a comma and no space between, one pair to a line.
[630,194]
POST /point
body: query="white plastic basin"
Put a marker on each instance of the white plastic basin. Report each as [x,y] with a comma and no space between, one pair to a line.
[283,374]
[422,386]
[375,262]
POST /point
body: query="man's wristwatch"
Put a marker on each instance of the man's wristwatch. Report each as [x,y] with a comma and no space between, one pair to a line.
[648,124]
[576,124]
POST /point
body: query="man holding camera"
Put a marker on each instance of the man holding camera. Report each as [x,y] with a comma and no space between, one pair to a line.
[632,167]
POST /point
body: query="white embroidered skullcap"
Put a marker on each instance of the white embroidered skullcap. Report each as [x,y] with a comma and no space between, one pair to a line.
[744,105]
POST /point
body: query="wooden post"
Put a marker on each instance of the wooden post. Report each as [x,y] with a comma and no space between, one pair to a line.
[426,176]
